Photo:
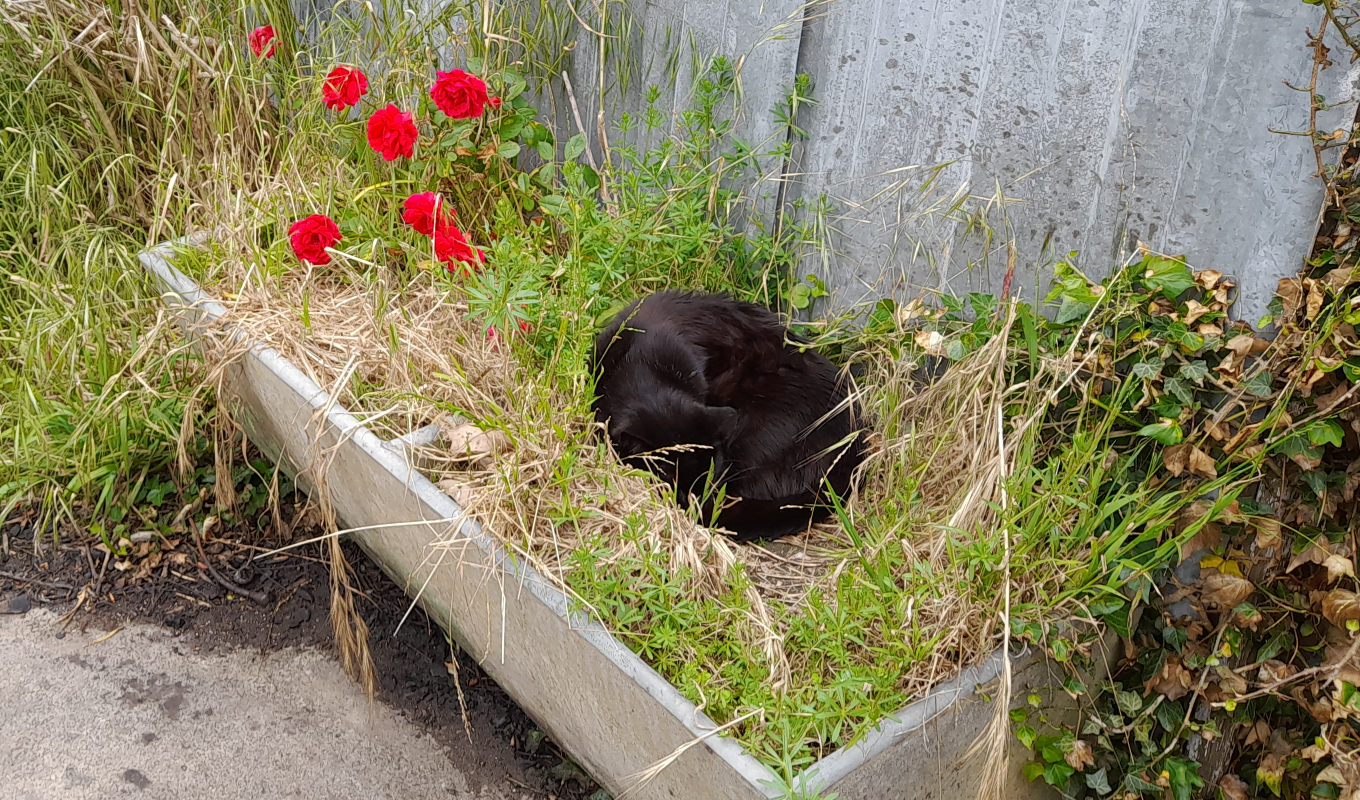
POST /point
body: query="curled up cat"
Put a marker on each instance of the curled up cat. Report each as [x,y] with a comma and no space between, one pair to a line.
[707,392]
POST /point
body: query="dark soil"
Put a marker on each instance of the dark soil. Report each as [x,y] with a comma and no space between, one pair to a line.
[410,664]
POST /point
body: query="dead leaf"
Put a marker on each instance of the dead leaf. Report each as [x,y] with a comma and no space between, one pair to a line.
[1274,671]
[1161,307]
[1201,464]
[1314,753]
[1330,774]
[1271,771]
[1209,536]
[1338,567]
[1338,657]
[1233,787]
[1172,682]
[1325,403]
[1241,345]
[1230,682]
[1219,432]
[461,492]
[1259,345]
[1225,591]
[1316,297]
[1176,457]
[1193,311]
[1316,553]
[1339,279]
[1290,292]
[930,341]
[1209,330]
[1208,278]
[1341,606]
[1079,757]
[1257,733]
[467,441]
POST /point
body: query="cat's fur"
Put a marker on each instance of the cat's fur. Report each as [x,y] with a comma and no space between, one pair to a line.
[726,387]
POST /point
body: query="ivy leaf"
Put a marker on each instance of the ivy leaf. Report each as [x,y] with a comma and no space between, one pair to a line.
[1195,372]
[1098,782]
[1326,431]
[1171,716]
[1130,703]
[1259,384]
[1149,369]
[1182,392]
[1138,786]
[1072,310]
[1183,777]
[1026,735]
[1114,610]
[1169,276]
[1056,774]
[1167,434]
[1033,770]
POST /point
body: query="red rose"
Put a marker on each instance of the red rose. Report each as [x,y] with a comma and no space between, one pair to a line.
[392,132]
[262,41]
[311,236]
[458,94]
[421,211]
[343,88]
[495,102]
[450,245]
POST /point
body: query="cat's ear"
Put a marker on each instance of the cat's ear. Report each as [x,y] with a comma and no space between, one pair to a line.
[625,428]
[722,419]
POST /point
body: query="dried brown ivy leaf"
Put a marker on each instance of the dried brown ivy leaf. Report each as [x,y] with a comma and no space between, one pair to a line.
[1230,682]
[1080,756]
[1341,606]
[1290,292]
[1316,297]
[1176,457]
[1172,681]
[1233,788]
[1193,311]
[1316,553]
[1201,464]
[1225,591]
[1339,279]
[1338,567]
[1209,536]
[1208,278]
[1274,671]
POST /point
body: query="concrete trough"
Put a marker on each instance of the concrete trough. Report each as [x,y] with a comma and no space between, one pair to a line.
[608,709]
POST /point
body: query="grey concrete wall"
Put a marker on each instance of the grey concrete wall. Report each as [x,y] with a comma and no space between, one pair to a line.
[1107,122]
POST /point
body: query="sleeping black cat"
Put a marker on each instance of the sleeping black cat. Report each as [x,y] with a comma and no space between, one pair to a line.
[705,391]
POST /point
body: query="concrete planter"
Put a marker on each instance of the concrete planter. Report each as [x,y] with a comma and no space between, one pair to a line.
[611,711]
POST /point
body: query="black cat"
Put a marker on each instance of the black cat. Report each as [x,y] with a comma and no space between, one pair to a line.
[705,391]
